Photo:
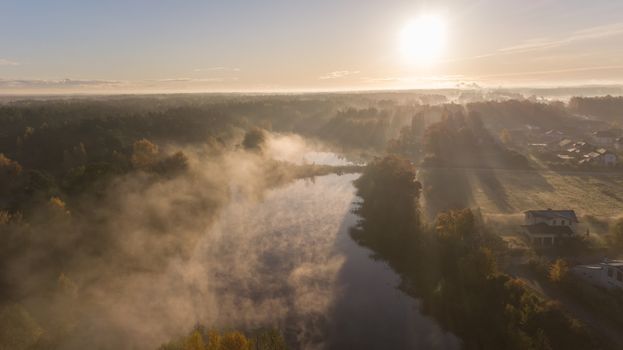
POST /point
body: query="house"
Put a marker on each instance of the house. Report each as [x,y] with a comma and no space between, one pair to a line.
[607,158]
[564,144]
[607,274]
[591,158]
[552,136]
[604,138]
[547,227]
[566,158]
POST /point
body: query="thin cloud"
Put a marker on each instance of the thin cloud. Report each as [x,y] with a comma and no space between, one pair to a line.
[200,80]
[546,43]
[61,83]
[338,74]
[554,71]
[217,69]
[6,62]
[425,79]
[592,33]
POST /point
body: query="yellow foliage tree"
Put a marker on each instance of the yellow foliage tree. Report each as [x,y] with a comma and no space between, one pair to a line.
[234,341]
[144,154]
[58,205]
[214,341]
[18,330]
[194,341]
[505,136]
[558,270]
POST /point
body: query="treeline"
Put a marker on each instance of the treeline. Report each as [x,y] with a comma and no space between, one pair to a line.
[517,114]
[464,141]
[451,266]
[609,108]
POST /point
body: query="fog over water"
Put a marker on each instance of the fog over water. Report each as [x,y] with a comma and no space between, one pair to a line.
[299,269]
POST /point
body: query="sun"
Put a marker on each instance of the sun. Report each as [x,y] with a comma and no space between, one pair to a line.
[423,39]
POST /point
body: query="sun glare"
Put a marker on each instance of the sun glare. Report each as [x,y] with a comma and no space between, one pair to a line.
[422,40]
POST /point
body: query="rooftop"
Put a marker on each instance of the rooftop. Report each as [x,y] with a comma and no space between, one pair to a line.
[552,214]
[545,229]
[604,133]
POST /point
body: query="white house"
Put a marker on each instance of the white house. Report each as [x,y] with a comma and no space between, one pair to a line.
[608,274]
[547,227]
[564,144]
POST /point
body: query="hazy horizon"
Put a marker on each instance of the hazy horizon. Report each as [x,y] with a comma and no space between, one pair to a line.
[165,47]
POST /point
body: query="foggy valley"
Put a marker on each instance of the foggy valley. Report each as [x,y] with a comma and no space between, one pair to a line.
[271,175]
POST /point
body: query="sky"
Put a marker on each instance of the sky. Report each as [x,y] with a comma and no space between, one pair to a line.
[301,45]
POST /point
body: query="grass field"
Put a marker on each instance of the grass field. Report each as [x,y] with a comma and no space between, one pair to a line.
[503,194]
[508,191]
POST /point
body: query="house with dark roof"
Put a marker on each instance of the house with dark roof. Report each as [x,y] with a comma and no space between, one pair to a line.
[605,137]
[548,227]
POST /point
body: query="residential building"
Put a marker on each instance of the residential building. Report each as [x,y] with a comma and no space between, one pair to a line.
[553,136]
[607,158]
[604,138]
[547,227]
[564,144]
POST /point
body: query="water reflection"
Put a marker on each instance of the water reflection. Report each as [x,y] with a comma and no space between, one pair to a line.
[370,312]
[287,260]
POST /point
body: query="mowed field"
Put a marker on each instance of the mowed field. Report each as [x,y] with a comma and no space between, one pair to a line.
[511,191]
[599,194]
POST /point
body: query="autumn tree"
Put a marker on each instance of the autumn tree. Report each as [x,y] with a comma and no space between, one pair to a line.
[171,165]
[9,171]
[558,271]
[144,154]
[18,329]
[456,225]
[194,341]
[505,137]
[234,341]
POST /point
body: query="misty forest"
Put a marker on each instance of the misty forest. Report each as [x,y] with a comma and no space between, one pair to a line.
[389,220]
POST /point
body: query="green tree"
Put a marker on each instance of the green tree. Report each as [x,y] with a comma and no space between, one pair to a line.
[254,139]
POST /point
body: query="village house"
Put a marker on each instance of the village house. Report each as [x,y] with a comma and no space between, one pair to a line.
[545,228]
[604,138]
[607,274]
[607,158]
[565,144]
[553,136]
